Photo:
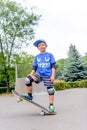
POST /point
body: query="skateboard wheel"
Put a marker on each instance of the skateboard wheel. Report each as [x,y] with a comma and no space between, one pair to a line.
[42,113]
[19,100]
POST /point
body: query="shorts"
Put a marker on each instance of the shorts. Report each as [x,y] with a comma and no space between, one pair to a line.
[46,80]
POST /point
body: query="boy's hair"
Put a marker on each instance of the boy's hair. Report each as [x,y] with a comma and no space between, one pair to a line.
[39,41]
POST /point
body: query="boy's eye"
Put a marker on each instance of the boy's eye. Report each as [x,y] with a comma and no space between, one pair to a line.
[40,45]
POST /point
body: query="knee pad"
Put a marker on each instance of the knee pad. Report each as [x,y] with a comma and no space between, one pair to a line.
[50,90]
[28,81]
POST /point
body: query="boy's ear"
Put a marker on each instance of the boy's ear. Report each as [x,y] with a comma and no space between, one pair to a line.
[46,45]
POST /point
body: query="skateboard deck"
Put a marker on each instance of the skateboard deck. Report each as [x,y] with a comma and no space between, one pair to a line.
[44,111]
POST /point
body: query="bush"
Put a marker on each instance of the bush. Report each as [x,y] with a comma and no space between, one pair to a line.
[71,85]
[3,83]
[61,85]
[4,89]
[83,84]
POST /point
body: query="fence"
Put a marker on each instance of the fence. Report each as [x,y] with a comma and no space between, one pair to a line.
[22,70]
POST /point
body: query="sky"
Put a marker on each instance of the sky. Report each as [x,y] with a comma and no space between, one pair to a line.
[64,22]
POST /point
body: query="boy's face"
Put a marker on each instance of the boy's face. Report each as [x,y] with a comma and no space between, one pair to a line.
[42,47]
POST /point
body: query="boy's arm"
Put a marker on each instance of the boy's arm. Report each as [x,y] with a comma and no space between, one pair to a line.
[52,78]
[34,69]
[53,72]
[32,72]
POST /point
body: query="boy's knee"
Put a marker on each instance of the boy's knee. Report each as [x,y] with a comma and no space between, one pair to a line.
[50,90]
[28,81]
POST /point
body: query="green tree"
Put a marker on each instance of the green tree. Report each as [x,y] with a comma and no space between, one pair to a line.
[17,29]
[58,74]
[85,57]
[74,66]
[59,68]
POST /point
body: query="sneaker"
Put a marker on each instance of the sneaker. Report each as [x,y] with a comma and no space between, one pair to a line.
[51,108]
[27,96]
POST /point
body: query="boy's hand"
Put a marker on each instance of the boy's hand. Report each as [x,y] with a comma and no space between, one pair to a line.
[32,73]
[52,78]
[32,76]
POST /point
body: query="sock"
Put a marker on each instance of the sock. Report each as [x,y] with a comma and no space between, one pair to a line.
[51,104]
[30,94]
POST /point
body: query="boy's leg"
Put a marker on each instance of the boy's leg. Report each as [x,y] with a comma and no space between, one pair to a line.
[28,83]
[51,92]
[29,89]
[51,99]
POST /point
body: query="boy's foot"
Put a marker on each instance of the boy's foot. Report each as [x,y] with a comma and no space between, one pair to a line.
[51,108]
[27,96]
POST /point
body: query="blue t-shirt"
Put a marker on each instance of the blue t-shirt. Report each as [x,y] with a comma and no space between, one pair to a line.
[43,62]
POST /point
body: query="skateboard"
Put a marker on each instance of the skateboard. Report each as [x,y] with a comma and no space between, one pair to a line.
[44,111]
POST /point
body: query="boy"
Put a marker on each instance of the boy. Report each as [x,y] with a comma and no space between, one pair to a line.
[43,70]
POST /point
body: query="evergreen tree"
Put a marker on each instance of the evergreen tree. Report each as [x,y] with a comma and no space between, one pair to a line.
[74,67]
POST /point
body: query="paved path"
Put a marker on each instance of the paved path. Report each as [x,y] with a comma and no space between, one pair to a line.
[71,107]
